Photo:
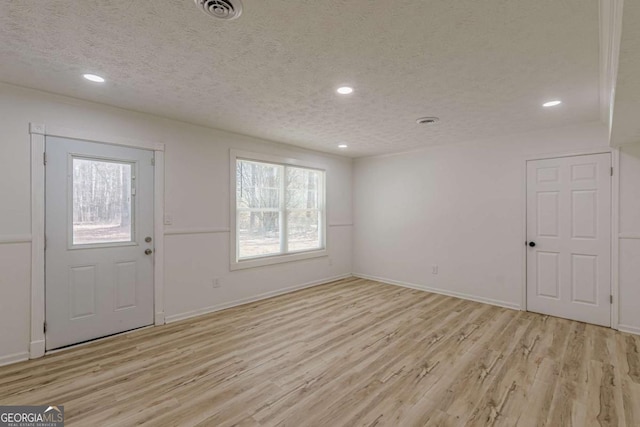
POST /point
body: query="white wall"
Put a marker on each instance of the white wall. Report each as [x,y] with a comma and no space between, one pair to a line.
[197,196]
[629,272]
[460,207]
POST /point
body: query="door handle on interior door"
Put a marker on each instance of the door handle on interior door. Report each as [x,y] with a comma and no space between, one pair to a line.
[148,252]
[532,244]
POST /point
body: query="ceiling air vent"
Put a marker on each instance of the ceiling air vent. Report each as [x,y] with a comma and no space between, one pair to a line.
[222,9]
[427,120]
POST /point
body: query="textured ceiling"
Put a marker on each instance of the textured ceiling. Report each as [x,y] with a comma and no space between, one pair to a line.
[625,126]
[484,67]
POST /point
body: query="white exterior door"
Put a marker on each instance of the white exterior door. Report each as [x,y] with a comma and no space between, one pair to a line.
[569,237]
[99,224]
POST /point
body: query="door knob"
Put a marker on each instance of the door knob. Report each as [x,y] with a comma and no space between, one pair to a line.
[532,244]
[148,252]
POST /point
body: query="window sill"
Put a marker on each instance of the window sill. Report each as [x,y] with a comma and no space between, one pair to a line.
[277,259]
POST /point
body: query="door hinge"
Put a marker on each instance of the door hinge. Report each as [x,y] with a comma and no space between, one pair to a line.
[45,242]
[44,158]
[44,327]
[610,299]
[153,161]
[611,170]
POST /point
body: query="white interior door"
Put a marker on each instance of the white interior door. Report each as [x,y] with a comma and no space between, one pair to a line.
[569,237]
[99,240]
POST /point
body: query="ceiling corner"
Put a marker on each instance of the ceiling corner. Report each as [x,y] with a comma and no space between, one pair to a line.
[610,36]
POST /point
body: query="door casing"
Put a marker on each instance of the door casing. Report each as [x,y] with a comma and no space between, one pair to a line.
[615,185]
[38,132]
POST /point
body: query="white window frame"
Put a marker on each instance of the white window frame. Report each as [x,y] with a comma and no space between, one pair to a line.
[237,264]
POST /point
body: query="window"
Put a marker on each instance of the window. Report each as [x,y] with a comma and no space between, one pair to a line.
[102,208]
[278,210]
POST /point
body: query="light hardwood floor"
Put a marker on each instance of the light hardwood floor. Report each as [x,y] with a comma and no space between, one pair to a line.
[350,353]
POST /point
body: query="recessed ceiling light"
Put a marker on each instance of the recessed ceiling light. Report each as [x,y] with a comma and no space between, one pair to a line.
[345,90]
[342,146]
[93,78]
[552,103]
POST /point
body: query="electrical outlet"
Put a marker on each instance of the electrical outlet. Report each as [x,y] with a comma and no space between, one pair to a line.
[168,219]
[215,283]
[434,269]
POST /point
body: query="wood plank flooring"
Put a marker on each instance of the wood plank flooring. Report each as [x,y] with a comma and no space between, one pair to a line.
[350,353]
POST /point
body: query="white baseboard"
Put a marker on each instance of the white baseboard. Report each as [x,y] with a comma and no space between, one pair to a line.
[460,295]
[14,358]
[629,329]
[218,307]
[36,349]
[159,318]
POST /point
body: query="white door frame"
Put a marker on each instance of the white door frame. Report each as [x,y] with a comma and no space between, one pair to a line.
[38,132]
[615,194]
